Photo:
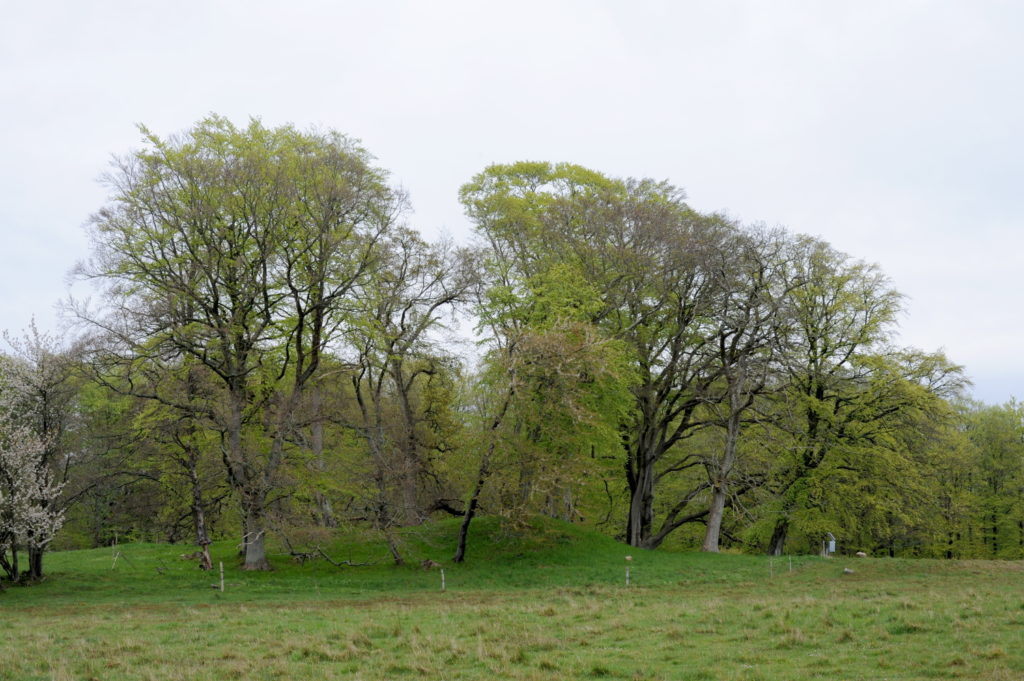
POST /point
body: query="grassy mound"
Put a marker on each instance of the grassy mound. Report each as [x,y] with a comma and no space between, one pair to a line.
[542,554]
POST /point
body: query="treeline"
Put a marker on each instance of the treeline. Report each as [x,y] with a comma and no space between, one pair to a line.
[274,352]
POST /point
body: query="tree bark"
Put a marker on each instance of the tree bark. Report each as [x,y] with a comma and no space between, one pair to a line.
[467,518]
[777,543]
[248,485]
[327,517]
[396,554]
[641,502]
[411,465]
[723,468]
[714,526]
[11,566]
[35,563]
[255,536]
[199,518]
[482,475]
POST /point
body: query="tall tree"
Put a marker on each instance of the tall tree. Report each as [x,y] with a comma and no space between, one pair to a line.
[997,433]
[554,394]
[751,325]
[651,260]
[239,247]
[178,446]
[396,355]
[847,389]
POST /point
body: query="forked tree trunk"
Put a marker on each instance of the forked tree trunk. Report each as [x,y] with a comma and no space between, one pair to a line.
[777,543]
[641,503]
[10,566]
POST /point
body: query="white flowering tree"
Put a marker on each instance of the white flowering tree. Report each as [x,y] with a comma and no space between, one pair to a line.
[29,518]
[37,391]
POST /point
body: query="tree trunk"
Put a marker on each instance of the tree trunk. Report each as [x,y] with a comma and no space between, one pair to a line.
[247,483]
[714,526]
[11,566]
[199,512]
[778,541]
[35,563]
[35,555]
[720,475]
[202,536]
[411,465]
[467,518]
[410,477]
[396,554]
[641,502]
[481,478]
[255,548]
[327,517]
[995,536]
[255,536]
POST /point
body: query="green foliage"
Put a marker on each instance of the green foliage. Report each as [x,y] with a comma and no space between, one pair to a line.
[276,343]
[240,251]
[626,256]
[865,458]
[992,488]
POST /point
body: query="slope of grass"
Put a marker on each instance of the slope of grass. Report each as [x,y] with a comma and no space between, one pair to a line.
[548,602]
[544,554]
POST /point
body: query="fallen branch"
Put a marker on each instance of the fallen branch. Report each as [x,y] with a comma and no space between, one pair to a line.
[344,563]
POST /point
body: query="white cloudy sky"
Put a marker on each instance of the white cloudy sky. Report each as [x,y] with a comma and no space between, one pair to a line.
[890,128]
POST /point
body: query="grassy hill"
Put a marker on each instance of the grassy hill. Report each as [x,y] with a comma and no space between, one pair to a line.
[544,602]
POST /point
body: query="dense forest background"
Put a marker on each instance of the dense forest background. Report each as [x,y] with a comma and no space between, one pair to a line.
[272,352]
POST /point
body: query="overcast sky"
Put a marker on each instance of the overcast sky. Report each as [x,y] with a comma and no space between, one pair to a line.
[891,129]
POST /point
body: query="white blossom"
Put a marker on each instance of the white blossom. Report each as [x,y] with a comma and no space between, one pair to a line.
[29,516]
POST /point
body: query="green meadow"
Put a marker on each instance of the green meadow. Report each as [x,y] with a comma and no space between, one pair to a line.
[543,602]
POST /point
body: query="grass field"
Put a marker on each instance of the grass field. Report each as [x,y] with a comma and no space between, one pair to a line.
[550,603]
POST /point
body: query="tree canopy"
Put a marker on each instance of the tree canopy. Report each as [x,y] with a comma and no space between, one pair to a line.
[275,352]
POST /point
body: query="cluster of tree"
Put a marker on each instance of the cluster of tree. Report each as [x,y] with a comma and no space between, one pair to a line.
[272,353]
